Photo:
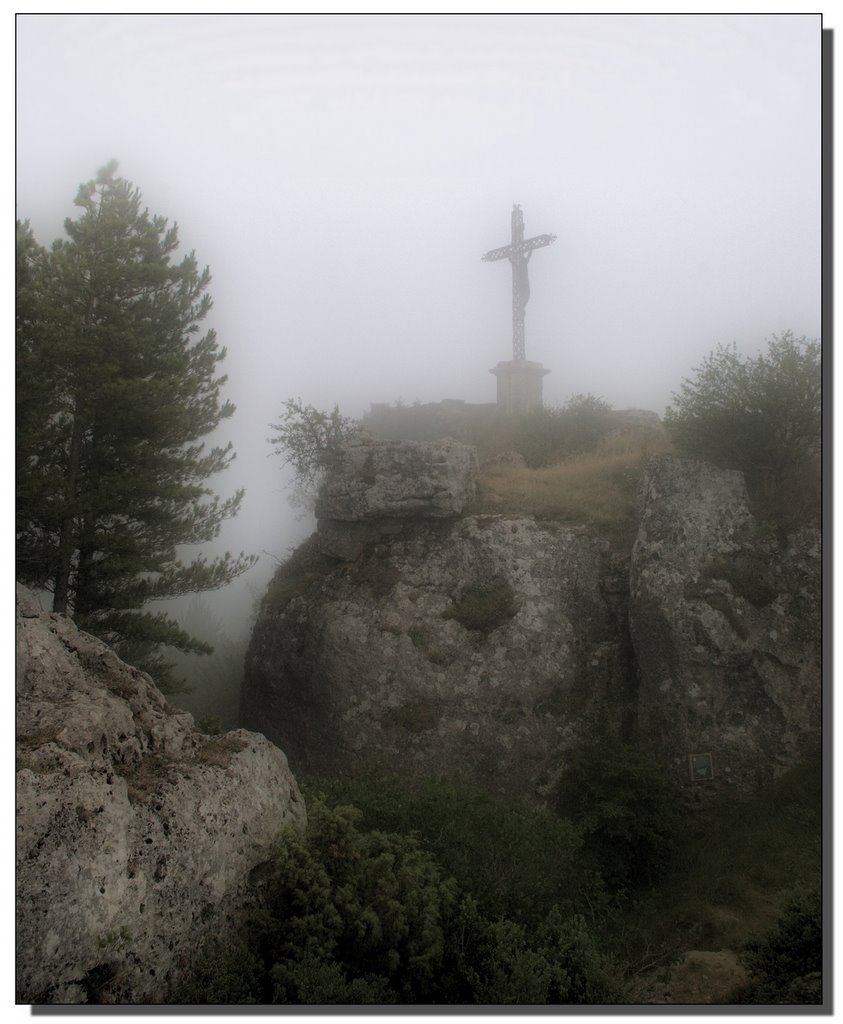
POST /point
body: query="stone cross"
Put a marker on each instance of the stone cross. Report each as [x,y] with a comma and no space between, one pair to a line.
[518,253]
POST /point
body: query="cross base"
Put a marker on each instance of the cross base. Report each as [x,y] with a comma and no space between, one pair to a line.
[519,386]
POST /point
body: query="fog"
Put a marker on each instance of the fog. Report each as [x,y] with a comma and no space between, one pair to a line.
[343,175]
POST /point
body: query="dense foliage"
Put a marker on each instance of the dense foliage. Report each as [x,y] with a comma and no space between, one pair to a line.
[785,964]
[435,891]
[116,389]
[368,917]
[514,859]
[762,415]
[625,807]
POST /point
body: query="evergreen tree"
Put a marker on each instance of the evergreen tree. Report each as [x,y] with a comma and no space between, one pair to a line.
[116,389]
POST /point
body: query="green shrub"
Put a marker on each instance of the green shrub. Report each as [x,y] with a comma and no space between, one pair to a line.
[760,415]
[370,903]
[557,963]
[317,980]
[513,858]
[625,806]
[223,971]
[311,440]
[786,964]
[546,436]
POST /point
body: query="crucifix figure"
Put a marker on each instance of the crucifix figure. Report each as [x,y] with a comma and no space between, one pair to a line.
[518,253]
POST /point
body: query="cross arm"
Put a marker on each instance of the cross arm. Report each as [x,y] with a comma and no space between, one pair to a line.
[508,251]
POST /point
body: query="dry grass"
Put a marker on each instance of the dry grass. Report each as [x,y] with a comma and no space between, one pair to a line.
[598,489]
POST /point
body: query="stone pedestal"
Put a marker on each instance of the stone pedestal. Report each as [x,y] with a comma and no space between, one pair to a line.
[519,386]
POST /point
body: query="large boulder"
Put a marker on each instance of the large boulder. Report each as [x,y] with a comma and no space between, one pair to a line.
[725,622]
[478,648]
[377,484]
[136,835]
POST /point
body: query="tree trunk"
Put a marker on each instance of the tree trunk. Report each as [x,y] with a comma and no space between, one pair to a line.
[67,538]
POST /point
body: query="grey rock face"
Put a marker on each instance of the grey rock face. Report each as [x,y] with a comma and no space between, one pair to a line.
[474,647]
[135,834]
[378,482]
[399,479]
[725,621]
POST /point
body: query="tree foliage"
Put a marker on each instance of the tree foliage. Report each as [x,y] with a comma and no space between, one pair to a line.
[761,415]
[309,440]
[116,389]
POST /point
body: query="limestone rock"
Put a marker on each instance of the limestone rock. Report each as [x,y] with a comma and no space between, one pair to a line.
[725,618]
[399,479]
[475,647]
[135,834]
[376,485]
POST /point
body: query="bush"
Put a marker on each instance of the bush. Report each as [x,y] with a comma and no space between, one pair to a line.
[348,904]
[623,803]
[223,971]
[761,415]
[310,440]
[549,435]
[514,859]
[786,964]
[557,963]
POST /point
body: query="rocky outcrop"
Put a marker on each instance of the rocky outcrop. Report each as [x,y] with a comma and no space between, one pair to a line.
[377,484]
[725,621]
[475,647]
[486,645]
[136,835]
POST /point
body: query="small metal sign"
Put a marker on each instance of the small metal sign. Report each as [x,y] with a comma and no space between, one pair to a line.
[701,767]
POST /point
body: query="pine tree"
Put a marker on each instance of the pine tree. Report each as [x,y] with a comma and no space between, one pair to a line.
[116,389]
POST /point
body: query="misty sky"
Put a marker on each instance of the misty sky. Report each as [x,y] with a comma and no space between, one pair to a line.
[342,176]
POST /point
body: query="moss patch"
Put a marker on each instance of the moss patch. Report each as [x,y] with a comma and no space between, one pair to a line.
[379,577]
[415,716]
[484,607]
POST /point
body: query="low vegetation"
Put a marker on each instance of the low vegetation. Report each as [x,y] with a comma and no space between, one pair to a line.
[786,963]
[419,891]
[578,464]
[597,490]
